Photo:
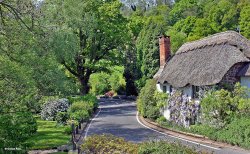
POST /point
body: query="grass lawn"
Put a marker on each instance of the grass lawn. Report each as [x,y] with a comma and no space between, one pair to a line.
[48,135]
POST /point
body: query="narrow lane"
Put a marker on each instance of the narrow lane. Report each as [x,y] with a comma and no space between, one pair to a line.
[118,117]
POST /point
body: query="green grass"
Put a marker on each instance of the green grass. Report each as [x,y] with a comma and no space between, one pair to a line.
[48,135]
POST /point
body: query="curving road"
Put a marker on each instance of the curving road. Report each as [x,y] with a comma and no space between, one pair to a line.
[119,117]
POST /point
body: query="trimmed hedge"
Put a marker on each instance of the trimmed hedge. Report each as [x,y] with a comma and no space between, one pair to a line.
[82,107]
[111,144]
[163,147]
[108,144]
[235,133]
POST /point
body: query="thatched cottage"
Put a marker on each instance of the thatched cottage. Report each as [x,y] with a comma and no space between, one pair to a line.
[222,58]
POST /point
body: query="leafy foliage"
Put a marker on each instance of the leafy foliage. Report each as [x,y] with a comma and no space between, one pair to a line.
[87,41]
[102,82]
[16,128]
[108,144]
[51,108]
[236,133]
[62,117]
[82,107]
[223,104]
[162,147]
[150,101]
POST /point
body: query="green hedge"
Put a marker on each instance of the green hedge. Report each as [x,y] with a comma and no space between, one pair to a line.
[82,107]
[163,147]
[150,101]
[146,103]
[108,144]
[112,144]
[235,133]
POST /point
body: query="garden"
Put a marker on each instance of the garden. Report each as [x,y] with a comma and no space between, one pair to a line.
[110,144]
[50,50]
[223,114]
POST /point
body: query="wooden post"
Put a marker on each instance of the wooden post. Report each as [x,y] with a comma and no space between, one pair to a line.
[76,129]
[73,136]
[79,150]
[80,124]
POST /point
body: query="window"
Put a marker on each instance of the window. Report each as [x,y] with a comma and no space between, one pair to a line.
[170,89]
[164,89]
[196,90]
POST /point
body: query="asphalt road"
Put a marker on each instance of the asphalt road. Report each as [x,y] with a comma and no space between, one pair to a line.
[119,117]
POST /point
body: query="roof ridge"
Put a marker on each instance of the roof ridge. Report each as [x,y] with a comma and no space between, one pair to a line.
[231,37]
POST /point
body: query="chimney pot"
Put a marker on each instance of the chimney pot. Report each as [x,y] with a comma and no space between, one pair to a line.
[164,43]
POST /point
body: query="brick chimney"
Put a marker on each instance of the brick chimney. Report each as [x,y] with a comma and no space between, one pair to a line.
[164,43]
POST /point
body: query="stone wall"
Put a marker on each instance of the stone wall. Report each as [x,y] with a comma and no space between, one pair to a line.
[231,76]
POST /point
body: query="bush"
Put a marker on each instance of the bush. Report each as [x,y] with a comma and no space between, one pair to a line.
[82,107]
[108,144]
[80,111]
[80,115]
[68,130]
[16,128]
[62,117]
[161,120]
[237,132]
[90,99]
[103,82]
[99,83]
[162,147]
[221,105]
[51,108]
[146,102]
[204,130]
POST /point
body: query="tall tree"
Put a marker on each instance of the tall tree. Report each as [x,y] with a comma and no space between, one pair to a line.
[88,37]
[244,20]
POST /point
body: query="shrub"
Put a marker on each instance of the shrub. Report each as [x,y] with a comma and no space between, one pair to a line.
[146,103]
[99,83]
[108,144]
[79,115]
[80,111]
[161,120]
[90,99]
[62,117]
[68,130]
[103,82]
[162,147]
[237,132]
[222,105]
[205,130]
[82,107]
[16,128]
[51,108]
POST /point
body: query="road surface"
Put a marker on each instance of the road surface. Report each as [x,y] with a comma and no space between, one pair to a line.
[119,117]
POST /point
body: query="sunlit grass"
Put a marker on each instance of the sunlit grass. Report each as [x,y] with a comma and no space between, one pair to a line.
[48,135]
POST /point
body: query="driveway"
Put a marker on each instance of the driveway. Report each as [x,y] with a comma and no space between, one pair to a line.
[119,117]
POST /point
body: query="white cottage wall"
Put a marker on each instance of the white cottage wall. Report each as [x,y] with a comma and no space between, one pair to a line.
[245,81]
[159,87]
[187,91]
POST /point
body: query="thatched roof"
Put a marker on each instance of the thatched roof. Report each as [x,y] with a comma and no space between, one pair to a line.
[245,71]
[158,73]
[206,61]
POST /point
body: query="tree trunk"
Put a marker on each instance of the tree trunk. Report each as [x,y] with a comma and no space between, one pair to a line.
[84,89]
[84,80]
